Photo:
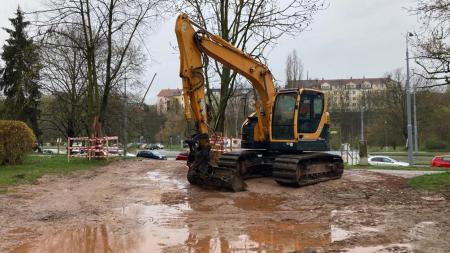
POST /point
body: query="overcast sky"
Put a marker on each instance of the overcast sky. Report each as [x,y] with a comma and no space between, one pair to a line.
[352,38]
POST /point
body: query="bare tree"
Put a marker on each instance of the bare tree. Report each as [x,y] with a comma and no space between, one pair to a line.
[108,28]
[432,49]
[294,68]
[389,106]
[252,26]
[64,78]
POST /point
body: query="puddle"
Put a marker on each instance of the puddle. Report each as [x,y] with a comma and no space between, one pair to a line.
[250,223]
[149,239]
[21,230]
[161,228]
[180,228]
[164,180]
[339,234]
[255,201]
[397,248]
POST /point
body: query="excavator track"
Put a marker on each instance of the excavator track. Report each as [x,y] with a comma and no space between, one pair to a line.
[306,169]
[247,163]
[235,167]
[229,172]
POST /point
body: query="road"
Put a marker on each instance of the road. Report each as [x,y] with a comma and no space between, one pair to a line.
[148,206]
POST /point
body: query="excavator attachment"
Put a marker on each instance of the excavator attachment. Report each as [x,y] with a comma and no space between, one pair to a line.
[204,172]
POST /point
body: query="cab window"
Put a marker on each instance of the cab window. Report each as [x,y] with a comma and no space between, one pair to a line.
[310,111]
[283,117]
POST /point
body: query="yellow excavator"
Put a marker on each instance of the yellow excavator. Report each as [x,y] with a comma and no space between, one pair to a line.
[284,138]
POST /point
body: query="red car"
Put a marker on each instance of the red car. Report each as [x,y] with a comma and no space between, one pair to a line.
[183,156]
[441,161]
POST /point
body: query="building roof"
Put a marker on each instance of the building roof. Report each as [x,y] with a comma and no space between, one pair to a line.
[336,82]
[169,93]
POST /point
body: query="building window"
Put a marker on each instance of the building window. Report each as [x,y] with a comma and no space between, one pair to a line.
[325,86]
[366,85]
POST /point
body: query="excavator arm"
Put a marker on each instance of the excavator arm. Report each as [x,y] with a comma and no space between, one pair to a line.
[193,44]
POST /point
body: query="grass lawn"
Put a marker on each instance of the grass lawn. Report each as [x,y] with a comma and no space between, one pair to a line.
[370,167]
[36,166]
[433,182]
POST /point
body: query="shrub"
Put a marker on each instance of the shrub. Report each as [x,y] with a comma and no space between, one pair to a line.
[16,140]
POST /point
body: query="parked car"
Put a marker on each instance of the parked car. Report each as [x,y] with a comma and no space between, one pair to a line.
[183,156]
[159,146]
[48,151]
[385,161]
[154,146]
[151,155]
[441,161]
[150,146]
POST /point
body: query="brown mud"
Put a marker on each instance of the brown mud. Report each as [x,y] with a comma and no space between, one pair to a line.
[148,206]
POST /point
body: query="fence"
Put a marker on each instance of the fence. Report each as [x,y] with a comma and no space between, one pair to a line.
[96,147]
[351,157]
[222,144]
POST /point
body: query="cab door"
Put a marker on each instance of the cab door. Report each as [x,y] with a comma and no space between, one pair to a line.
[310,114]
[284,116]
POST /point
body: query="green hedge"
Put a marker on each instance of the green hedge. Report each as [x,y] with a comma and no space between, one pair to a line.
[16,140]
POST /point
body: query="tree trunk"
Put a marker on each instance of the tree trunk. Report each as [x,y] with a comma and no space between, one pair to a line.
[224,93]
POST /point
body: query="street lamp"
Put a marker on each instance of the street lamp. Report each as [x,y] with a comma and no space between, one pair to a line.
[385,136]
[125,119]
[362,142]
[362,122]
[416,134]
[408,104]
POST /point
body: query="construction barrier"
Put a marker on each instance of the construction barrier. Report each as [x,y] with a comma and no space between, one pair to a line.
[95,147]
[222,144]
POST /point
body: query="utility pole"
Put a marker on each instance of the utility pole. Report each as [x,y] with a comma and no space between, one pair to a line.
[125,119]
[416,134]
[408,104]
[385,135]
[362,123]
[362,142]
[363,107]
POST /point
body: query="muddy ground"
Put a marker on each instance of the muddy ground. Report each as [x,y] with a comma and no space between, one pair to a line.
[148,206]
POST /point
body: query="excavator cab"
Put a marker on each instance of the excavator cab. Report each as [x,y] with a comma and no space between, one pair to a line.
[299,121]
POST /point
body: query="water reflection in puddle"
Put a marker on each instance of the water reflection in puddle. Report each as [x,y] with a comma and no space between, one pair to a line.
[165,180]
[184,225]
[164,229]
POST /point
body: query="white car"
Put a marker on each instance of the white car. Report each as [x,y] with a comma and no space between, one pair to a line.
[385,161]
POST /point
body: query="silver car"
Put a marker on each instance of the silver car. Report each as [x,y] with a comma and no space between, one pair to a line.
[385,161]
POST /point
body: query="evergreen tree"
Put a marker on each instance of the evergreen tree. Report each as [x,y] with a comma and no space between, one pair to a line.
[20,75]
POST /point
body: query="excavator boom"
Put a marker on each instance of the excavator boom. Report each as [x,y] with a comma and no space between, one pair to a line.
[192,44]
